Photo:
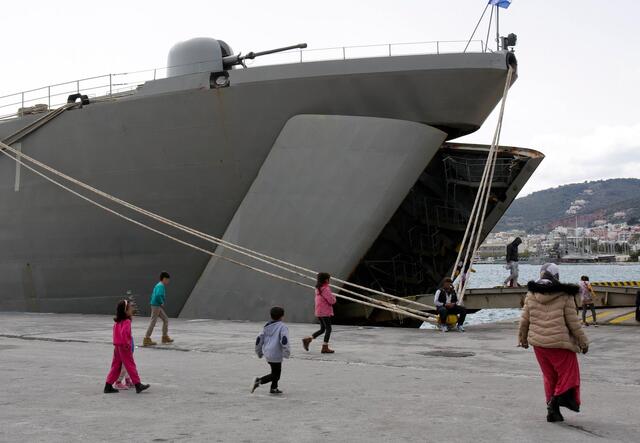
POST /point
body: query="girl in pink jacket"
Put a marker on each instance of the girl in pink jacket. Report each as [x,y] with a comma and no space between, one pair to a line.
[324,311]
[122,349]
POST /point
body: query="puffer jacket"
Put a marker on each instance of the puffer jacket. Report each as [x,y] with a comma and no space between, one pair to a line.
[324,301]
[549,318]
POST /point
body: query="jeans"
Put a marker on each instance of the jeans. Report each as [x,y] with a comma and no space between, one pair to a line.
[276,370]
[460,311]
[512,280]
[325,327]
[584,312]
[157,311]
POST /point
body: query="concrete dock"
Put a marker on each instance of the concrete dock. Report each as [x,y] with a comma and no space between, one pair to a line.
[382,384]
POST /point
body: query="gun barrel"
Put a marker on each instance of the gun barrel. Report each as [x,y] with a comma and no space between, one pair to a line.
[232,60]
[273,51]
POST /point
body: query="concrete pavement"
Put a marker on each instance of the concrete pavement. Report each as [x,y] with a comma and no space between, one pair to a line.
[382,384]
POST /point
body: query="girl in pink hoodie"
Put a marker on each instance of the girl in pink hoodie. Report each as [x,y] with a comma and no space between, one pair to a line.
[324,311]
[122,349]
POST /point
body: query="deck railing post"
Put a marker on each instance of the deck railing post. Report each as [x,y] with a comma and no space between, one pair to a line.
[154,73]
[438,47]
[344,53]
[389,49]
[110,86]
[49,97]
[22,108]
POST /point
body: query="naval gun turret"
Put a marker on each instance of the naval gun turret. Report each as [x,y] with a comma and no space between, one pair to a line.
[208,54]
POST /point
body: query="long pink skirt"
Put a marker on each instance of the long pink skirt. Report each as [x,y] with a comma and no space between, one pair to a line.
[560,371]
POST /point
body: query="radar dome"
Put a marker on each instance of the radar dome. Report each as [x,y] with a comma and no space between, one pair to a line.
[197,55]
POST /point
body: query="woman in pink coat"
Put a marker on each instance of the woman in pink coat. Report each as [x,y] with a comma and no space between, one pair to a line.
[324,311]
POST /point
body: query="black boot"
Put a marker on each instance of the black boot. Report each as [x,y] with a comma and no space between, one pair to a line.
[553,411]
[568,400]
[140,387]
[109,389]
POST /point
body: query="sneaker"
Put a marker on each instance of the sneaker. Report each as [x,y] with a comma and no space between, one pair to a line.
[444,328]
[121,386]
[275,391]
[460,328]
[141,387]
[595,324]
[148,342]
[109,389]
[255,384]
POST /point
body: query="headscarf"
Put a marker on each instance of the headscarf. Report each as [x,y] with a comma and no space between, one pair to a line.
[549,274]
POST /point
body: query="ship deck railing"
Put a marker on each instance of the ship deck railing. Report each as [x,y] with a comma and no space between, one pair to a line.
[469,171]
[125,83]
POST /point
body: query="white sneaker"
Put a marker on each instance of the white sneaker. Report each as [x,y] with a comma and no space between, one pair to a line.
[460,328]
[444,328]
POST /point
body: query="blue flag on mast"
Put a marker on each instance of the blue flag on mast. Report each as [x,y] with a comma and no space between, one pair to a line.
[500,3]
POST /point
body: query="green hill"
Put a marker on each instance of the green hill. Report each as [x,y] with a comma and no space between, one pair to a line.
[588,201]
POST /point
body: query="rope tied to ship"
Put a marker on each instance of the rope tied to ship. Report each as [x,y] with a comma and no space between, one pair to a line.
[363,299]
[473,232]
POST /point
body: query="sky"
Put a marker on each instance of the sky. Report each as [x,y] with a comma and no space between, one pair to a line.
[576,98]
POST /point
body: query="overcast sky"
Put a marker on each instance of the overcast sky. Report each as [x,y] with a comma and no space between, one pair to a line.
[576,99]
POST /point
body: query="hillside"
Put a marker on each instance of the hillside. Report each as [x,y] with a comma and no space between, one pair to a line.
[588,201]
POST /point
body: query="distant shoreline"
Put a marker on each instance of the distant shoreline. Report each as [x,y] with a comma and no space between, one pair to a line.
[622,263]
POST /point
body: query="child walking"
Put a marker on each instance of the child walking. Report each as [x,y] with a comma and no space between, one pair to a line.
[122,351]
[324,311]
[586,296]
[124,382]
[273,344]
[157,310]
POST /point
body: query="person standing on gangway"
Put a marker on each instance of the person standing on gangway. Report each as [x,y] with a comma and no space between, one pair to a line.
[512,263]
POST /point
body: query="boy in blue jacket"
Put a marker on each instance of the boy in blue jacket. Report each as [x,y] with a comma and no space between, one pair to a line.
[273,344]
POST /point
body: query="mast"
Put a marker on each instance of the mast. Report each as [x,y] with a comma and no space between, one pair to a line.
[497,28]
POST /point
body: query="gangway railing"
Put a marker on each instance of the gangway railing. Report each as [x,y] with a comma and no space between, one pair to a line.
[123,83]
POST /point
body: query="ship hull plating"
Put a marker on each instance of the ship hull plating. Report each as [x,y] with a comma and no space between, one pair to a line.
[192,155]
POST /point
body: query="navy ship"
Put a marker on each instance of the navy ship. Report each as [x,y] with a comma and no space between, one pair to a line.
[346,166]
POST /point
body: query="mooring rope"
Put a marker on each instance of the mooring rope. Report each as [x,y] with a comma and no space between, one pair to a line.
[272,261]
[371,302]
[473,232]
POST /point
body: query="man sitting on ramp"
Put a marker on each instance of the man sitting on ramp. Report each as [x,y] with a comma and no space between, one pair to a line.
[447,303]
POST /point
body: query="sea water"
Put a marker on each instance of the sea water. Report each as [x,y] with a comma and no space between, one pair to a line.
[488,276]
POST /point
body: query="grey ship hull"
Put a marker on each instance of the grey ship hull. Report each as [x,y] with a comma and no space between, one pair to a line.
[191,154]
